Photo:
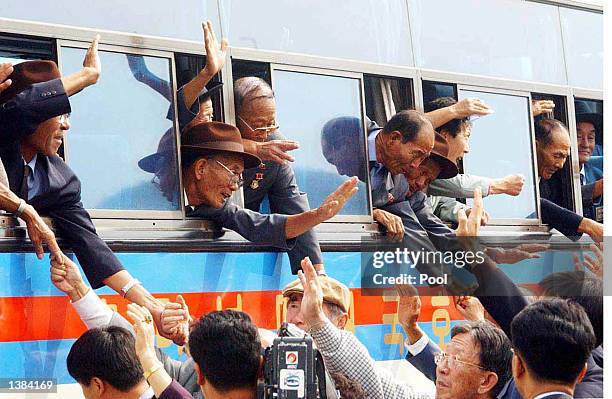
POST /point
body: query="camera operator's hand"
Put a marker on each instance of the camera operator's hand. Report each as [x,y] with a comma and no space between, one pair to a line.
[312,301]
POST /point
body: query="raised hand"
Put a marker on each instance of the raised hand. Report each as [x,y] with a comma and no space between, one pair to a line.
[393,224]
[92,63]
[145,332]
[215,54]
[470,307]
[5,70]
[312,301]
[470,226]
[276,150]
[539,107]
[336,200]
[595,265]
[175,318]
[470,106]
[511,185]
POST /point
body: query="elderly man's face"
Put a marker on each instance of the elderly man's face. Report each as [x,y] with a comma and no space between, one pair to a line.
[401,157]
[256,118]
[459,380]
[420,178]
[48,136]
[295,316]
[214,183]
[586,141]
[552,156]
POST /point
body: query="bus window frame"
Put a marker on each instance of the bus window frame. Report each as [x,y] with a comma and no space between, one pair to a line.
[178,214]
[525,94]
[340,74]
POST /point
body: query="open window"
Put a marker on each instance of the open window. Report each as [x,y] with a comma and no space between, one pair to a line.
[386,96]
[122,142]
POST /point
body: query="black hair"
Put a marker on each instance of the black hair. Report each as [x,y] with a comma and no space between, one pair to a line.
[580,288]
[348,388]
[107,353]
[554,338]
[544,129]
[246,88]
[226,346]
[408,123]
[454,126]
[495,351]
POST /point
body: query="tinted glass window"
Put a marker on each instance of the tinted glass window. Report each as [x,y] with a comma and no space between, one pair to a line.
[501,145]
[502,38]
[365,30]
[121,143]
[323,113]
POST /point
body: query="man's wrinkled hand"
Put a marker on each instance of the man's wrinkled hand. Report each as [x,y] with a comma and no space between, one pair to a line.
[5,71]
[65,274]
[539,107]
[91,64]
[392,223]
[145,331]
[336,200]
[215,54]
[470,106]
[175,320]
[596,264]
[485,216]
[276,150]
[40,233]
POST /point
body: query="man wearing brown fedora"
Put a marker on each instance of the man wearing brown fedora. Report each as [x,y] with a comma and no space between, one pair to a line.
[35,116]
[213,159]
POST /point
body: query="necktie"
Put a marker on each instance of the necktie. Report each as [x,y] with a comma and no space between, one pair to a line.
[23,190]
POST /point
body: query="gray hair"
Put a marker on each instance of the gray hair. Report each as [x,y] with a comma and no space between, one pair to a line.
[250,87]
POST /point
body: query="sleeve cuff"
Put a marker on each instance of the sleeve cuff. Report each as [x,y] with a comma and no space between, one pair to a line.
[417,347]
[92,310]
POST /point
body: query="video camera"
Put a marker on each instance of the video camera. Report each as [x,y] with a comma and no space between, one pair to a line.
[293,369]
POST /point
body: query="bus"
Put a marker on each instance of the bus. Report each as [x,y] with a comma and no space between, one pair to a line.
[323,59]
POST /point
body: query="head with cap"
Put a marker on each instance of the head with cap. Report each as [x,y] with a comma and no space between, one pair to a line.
[336,302]
[48,135]
[341,141]
[436,166]
[162,164]
[255,108]
[589,125]
[405,141]
[552,146]
[456,131]
[213,159]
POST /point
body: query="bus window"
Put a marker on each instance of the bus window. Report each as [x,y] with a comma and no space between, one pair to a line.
[242,69]
[187,67]
[501,144]
[562,178]
[122,143]
[16,49]
[433,90]
[385,96]
[316,110]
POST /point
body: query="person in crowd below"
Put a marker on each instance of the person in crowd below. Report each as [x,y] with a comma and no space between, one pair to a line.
[36,110]
[213,159]
[553,148]
[457,134]
[336,302]
[552,340]
[105,363]
[274,178]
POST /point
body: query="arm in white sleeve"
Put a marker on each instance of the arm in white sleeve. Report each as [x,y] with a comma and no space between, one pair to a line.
[92,310]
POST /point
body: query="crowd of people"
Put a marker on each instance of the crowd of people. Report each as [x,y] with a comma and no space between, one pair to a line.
[511,345]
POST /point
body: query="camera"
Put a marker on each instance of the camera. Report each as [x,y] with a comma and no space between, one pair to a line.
[293,369]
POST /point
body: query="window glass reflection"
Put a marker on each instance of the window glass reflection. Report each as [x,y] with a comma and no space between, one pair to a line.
[311,109]
[122,143]
[500,145]
[364,30]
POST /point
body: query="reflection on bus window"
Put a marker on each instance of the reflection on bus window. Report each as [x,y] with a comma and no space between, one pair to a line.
[501,145]
[342,144]
[305,104]
[120,122]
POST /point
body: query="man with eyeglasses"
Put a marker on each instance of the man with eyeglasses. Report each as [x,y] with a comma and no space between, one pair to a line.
[274,177]
[213,159]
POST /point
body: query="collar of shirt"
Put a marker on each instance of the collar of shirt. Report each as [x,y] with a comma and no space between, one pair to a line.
[545,394]
[372,146]
[32,163]
[148,394]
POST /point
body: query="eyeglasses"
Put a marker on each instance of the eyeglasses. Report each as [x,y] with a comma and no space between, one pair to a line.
[452,360]
[234,177]
[64,118]
[267,129]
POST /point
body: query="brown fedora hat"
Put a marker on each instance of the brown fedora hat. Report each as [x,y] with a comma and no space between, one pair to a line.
[439,154]
[216,137]
[27,73]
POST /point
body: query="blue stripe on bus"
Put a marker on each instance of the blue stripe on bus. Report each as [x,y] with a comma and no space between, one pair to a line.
[24,275]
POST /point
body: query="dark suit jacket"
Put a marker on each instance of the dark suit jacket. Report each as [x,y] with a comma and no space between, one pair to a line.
[285,198]
[554,208]
[62,201]
[254,226]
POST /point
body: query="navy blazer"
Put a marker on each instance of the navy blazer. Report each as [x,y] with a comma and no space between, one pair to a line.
[280,186]
[20,117]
